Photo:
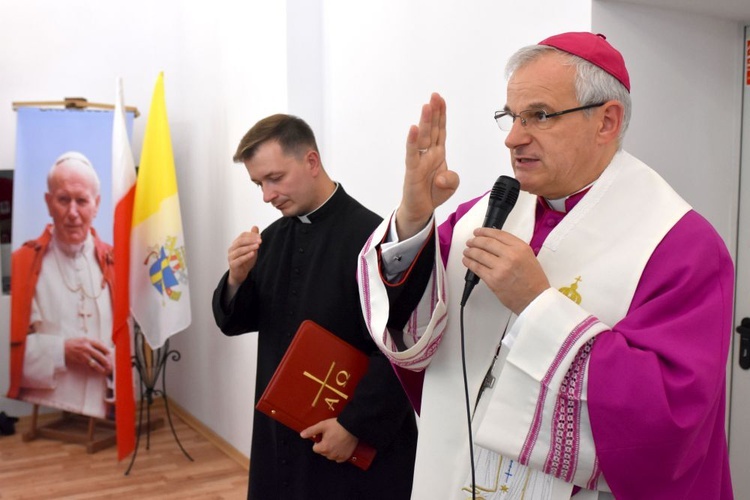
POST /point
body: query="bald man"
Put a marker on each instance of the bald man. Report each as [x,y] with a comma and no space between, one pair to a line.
[61,317]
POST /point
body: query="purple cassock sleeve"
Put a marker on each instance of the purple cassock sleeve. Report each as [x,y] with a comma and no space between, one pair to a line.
[656,386]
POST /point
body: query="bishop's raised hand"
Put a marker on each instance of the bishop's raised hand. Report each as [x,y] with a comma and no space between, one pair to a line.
[427,181]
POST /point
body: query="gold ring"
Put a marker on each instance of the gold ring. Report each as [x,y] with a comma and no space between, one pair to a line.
[92,363]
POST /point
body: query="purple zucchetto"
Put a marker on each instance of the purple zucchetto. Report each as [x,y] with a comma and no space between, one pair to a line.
[593,48]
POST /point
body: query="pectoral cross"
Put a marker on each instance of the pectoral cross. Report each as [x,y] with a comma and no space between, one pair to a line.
[83,313]
[508,474]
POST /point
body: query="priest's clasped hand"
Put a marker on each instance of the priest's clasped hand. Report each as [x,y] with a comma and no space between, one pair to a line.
[242,256]
[332,440]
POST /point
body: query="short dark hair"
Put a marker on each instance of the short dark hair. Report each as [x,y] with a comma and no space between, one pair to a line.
[292,133]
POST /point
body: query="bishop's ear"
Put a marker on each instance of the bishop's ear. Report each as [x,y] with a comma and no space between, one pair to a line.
[611,124]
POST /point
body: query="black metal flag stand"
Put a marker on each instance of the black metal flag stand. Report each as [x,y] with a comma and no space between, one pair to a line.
[151,363]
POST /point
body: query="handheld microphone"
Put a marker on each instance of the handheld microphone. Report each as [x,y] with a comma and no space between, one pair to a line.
[503,197]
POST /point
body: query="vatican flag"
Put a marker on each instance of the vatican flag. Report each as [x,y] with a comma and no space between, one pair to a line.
[159,290]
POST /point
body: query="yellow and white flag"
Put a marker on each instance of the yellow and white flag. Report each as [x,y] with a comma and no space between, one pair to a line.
[159,290]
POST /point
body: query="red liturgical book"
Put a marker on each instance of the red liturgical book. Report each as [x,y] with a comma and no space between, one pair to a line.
[314,381]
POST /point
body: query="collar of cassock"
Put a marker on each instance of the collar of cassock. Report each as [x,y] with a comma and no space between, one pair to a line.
[327,207]
[565,204]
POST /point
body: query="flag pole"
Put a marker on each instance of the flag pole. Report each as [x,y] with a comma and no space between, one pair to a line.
[151,365]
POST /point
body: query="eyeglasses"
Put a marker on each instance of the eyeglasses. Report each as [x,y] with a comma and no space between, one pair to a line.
[537,118]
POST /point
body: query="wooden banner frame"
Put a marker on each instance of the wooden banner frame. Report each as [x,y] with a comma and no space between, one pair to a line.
[72,103]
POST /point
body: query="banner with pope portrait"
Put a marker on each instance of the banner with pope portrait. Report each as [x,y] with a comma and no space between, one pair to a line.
[62,355]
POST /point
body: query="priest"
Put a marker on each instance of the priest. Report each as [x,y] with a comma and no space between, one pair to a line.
[302,267]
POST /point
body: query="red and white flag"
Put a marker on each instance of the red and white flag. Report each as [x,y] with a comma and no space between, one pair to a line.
[123,194]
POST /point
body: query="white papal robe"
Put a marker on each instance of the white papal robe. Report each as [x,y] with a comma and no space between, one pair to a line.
[69,302]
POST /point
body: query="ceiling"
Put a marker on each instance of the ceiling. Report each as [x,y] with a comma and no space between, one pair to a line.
[736,10]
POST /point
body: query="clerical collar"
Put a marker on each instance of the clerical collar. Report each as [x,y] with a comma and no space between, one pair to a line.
[305,219]
[567,203]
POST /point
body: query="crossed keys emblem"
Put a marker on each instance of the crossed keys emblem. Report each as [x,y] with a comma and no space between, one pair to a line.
[340,379]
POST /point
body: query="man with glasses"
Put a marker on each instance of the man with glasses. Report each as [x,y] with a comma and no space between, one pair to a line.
[596,343]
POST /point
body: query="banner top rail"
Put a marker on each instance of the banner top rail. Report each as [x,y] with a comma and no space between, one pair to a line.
[72,103]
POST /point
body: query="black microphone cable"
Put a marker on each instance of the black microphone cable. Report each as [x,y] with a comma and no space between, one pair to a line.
[468,409]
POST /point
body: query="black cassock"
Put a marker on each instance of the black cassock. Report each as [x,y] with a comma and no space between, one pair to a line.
[308,271]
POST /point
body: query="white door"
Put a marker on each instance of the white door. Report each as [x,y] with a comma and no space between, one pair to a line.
[739,421]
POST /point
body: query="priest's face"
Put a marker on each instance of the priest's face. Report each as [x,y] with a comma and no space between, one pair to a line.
[287,182]
[72,201]
[560,157]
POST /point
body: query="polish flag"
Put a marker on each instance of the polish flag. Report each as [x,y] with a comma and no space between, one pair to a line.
[123,194]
